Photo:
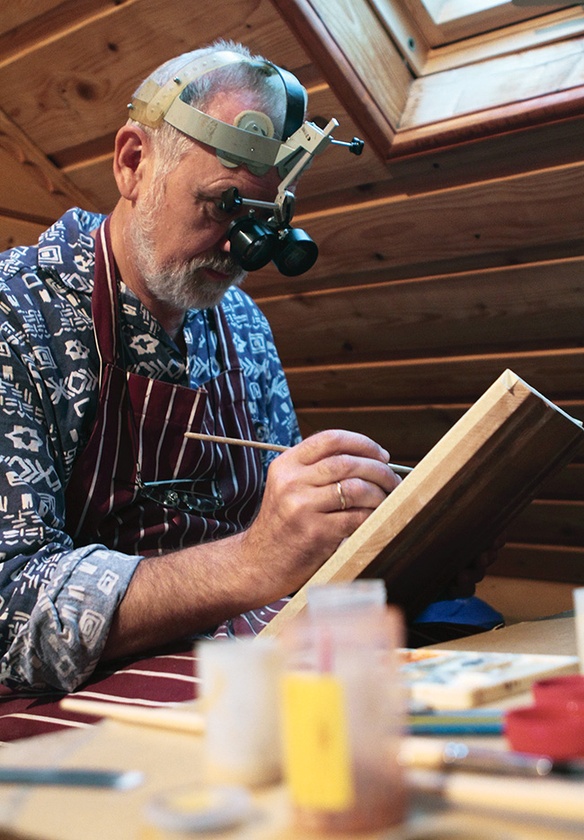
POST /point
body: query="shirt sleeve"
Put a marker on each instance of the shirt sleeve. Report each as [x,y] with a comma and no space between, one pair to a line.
[56,600]
[269,398]
[56,617]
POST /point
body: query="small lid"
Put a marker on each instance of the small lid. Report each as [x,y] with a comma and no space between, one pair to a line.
[209,808]
[565,692]
[549,731]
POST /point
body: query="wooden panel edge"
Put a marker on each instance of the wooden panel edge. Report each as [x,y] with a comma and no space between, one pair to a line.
[16,143]
[503,120]
[329,56]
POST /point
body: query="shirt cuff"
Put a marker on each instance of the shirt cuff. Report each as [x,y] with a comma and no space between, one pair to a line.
[61,643]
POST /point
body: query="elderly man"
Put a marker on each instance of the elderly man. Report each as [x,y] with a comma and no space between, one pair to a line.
[121,334]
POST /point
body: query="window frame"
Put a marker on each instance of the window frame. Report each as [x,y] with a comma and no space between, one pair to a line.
[386,75]
[429,47]
[451,22]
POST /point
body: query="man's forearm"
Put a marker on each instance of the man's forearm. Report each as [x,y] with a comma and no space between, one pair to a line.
[183,593]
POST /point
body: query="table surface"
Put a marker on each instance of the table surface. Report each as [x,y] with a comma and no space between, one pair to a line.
[175,760]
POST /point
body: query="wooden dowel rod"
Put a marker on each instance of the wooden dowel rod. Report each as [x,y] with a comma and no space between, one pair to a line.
[274,447]
[179,719]
[254,444]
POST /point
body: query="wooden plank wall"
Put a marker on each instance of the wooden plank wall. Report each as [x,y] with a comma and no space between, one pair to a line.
[435,273]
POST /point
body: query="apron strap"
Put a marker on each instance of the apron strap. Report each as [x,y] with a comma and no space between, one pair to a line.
[104,300]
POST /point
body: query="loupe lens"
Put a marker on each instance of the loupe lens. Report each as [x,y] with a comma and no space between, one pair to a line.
[297,252]
[252,243]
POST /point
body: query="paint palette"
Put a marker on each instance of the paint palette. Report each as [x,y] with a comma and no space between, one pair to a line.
[457,679]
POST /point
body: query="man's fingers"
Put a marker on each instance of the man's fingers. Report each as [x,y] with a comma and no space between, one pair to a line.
[332,442]
[350,493]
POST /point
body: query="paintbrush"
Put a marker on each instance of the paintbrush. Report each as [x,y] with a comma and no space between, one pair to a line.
[273,447]
[428,754]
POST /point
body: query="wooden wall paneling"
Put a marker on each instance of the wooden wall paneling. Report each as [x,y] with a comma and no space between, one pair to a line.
[72,81]
[496,216]
[31,186]
[558,374]
[540,562]
[24,191]
[94,178]
[524,306]
[569,484]
[266,283]
[407,431]
[484,159]
[24,12]
[503,218]
[550,522]
[15,231]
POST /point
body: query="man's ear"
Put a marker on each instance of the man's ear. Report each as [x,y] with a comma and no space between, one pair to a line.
[131,154]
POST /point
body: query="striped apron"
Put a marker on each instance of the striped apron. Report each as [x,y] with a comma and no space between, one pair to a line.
[138,437]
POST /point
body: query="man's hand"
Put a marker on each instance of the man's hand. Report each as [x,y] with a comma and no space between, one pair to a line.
[317,493]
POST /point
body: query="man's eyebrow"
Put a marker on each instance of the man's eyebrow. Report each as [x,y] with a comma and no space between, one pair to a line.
[201,196]
[217,200]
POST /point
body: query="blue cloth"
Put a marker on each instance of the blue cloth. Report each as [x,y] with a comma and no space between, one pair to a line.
[471,612]
[56,601]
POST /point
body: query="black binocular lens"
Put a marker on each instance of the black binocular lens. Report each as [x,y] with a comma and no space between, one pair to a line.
[297,252]
[254,243]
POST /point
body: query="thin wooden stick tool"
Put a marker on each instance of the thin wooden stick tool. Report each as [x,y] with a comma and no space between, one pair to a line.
[180,718]
[274,447]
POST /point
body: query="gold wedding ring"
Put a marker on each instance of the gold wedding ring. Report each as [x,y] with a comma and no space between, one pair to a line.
[342,499]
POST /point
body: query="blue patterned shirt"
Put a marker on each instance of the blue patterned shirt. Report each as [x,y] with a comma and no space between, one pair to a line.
[57,601]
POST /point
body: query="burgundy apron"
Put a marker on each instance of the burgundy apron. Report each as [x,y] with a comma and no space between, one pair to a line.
[138,437]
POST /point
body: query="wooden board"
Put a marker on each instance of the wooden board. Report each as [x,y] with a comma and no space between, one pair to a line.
[504,216]
[466,490]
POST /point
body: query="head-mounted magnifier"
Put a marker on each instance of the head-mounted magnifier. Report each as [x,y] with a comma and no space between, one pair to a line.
[249,142]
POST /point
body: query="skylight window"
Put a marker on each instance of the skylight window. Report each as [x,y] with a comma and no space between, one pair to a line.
[445,11]
[421,75]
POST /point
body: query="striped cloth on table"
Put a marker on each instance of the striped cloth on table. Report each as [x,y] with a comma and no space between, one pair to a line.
[152,681]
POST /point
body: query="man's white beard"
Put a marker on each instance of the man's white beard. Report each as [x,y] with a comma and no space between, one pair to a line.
[180,284]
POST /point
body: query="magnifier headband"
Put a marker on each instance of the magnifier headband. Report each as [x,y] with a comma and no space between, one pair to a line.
[251,144]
